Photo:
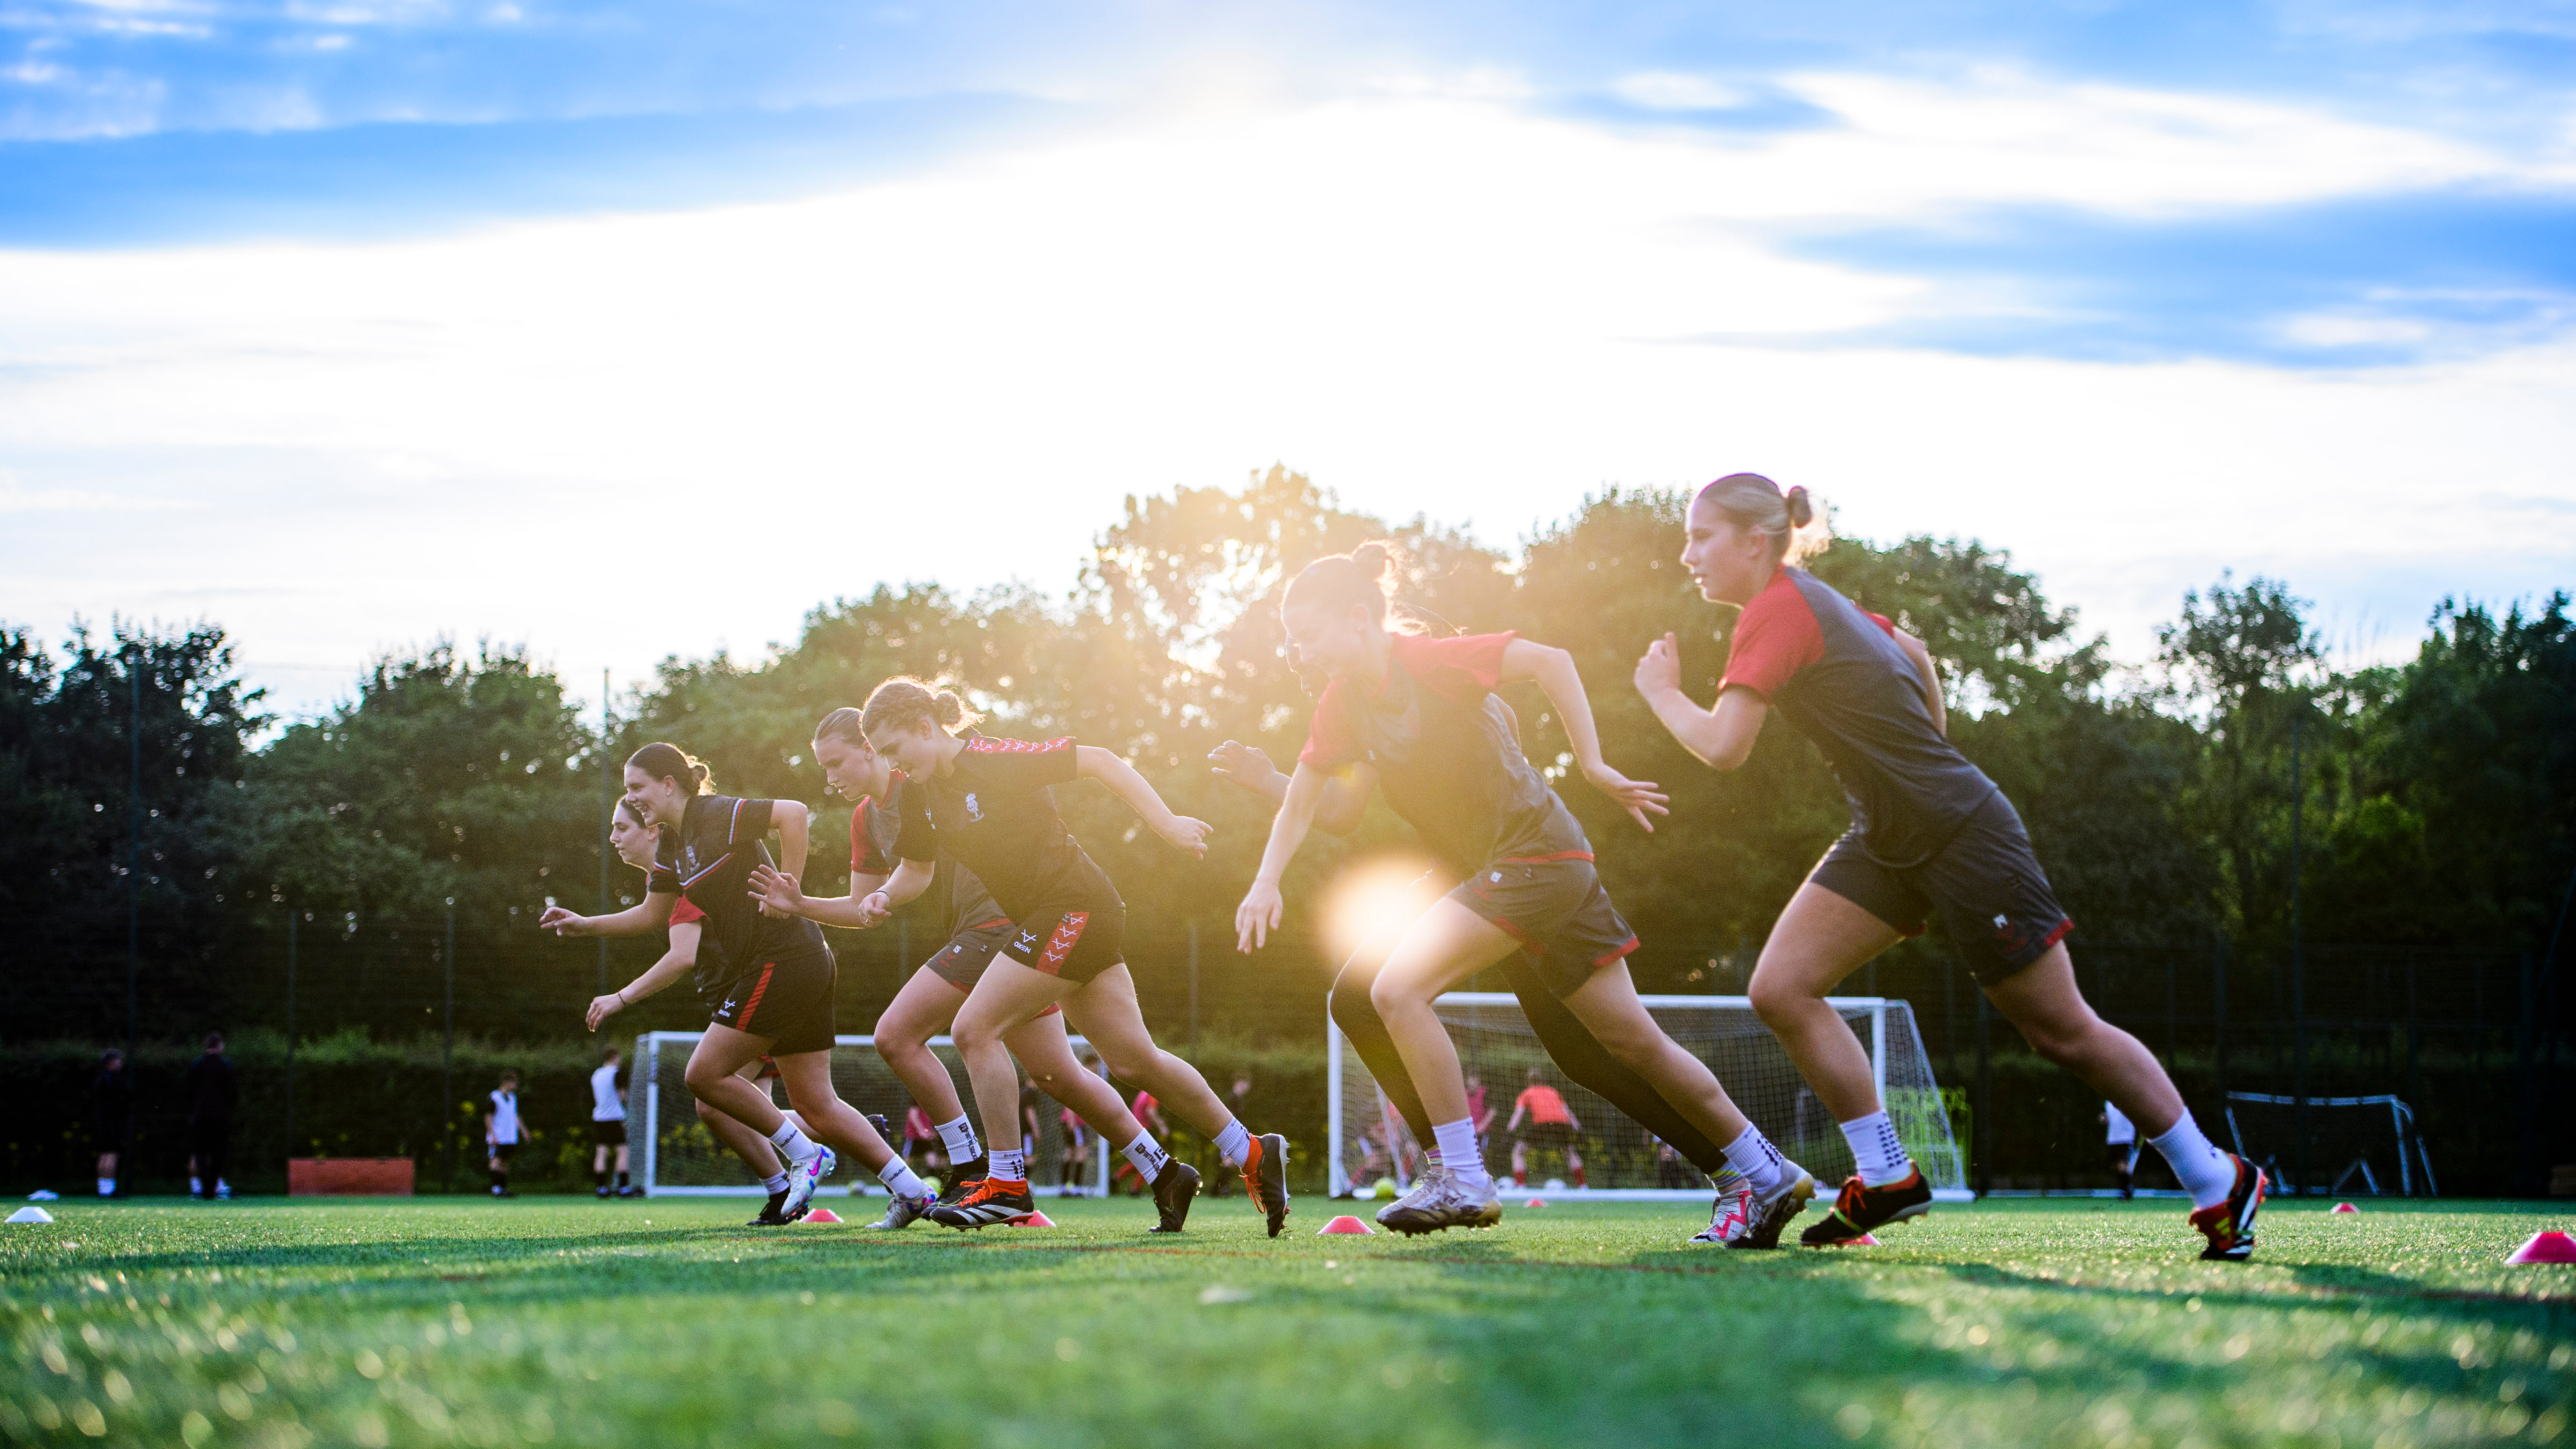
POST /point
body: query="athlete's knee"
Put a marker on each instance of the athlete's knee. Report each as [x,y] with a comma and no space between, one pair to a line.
[1353,1011]
[1635,1049]
[703,1078]
[2064,1041]
[1776,999]
[1390,994]
[1135,1063]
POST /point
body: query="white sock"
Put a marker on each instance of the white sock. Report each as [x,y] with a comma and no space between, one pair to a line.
[1145,1155]
[107,1187]
[1756,1161]
[898,1177]
[1876,1154]
[776,1183]
[1234,1144]
[2208,1174]
[959,1138]
[1458,1153]
[798,1147]
[1009,1165]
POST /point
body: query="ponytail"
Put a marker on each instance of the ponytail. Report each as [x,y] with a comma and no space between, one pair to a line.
[1796,521]
[670,762]
[903,701]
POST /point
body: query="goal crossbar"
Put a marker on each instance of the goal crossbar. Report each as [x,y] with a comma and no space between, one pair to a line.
[1368,1139]
[661,1058]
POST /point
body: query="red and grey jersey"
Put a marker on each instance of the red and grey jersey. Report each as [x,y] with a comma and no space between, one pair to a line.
[1839,675]
[1446,753]
[993,813]
[958,900]
[712,855]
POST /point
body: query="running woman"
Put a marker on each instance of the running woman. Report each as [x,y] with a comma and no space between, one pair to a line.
[1407,713]
[984,803]
[778,1002]
[1738,1218]
[977,928]
[1930,834]
[639,845]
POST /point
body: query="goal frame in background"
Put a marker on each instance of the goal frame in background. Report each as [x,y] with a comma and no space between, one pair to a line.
[1875,1009]
[643,1156]
[2401,1121]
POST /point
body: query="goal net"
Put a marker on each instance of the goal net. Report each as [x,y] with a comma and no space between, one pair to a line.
[1621,1159]
[2362,1145]
[674,1153]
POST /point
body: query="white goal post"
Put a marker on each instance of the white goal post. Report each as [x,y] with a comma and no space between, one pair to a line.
[1496,1044]
[674,1155]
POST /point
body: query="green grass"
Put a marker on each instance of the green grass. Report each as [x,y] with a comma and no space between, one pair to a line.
[576,1322]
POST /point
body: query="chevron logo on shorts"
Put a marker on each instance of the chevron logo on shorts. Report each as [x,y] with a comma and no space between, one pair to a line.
[1060,945]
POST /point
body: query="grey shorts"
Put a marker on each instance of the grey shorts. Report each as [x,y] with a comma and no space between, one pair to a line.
[1558,911]
[962,962]
[1985,884]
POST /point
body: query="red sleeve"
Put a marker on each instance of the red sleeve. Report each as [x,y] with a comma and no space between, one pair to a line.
[1777,637]
[1461,667]
[684,911]
[865,858]
[1329,744]
[1884,622]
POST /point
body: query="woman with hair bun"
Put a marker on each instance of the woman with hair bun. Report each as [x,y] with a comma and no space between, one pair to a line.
[984,803]
[974,928]
[1930,834]
[777,999]
[1411,715]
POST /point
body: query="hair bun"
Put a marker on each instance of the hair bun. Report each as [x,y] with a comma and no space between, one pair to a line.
[1372,559]
[1801,512]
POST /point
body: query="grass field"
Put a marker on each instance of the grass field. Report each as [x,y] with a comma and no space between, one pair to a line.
[577,1322]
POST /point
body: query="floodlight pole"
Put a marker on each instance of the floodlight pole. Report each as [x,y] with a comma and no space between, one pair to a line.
[447,1055]
[607,818]
[290,1033]
[2298,957]
[133,844]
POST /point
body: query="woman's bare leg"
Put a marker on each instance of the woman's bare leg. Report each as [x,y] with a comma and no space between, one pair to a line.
[921,1010]
[824,1116]
[1820,939]
[1106,1013]
[2043,1001]
[1608,1006]
[1444,946]
[1046,1054]
[1007,995]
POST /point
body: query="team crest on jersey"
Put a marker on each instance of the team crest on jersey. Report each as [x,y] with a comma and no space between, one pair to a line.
[974,808]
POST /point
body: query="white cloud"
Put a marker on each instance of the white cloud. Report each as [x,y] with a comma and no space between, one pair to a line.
[1430,305]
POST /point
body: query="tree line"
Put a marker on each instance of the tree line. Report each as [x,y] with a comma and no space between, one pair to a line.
[2436,797]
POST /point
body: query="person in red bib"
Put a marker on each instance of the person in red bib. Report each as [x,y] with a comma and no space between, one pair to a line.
[1930,835]
[985,803]
[1409,715]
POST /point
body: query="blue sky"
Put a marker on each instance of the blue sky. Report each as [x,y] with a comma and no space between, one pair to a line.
[283,282]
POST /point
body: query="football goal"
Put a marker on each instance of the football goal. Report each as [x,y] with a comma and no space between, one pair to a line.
[2354,1144]
[675,1155]
[1621,1159]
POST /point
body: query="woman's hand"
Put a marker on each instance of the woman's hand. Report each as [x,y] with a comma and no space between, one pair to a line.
[1634,796]
[1660,670]
[874,910]
[776,891]
[564,922]
[604,1007]
[1241,764]
[1187,834]
[1258,916]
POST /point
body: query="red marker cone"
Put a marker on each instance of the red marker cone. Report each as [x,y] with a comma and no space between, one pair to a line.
[1345,1224]
[2546,1248]
[1863,1241]
[1538,1202]
[2345,1207]
[1033,1220]
[820,1215]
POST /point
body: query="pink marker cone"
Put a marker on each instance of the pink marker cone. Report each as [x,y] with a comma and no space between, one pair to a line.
[1345,1224]
[2546,1248]
[2345,1207]
[820,1215]
[1033,1220]
[1538,1202]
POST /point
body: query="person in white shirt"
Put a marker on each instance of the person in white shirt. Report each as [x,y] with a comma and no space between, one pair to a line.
[608,1125]
[2122,1137]
[501,1133]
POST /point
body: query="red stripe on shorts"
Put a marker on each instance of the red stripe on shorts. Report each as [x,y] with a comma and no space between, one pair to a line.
[743,1022]
[1600,961]
[1068,930]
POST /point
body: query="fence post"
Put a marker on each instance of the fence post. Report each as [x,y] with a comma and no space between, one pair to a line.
[2218,1004]
[2414,1042]
[1194,991]
[2298,960]
[290,1033]
[2532,1181]
[1985,1127]
[447,1060]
